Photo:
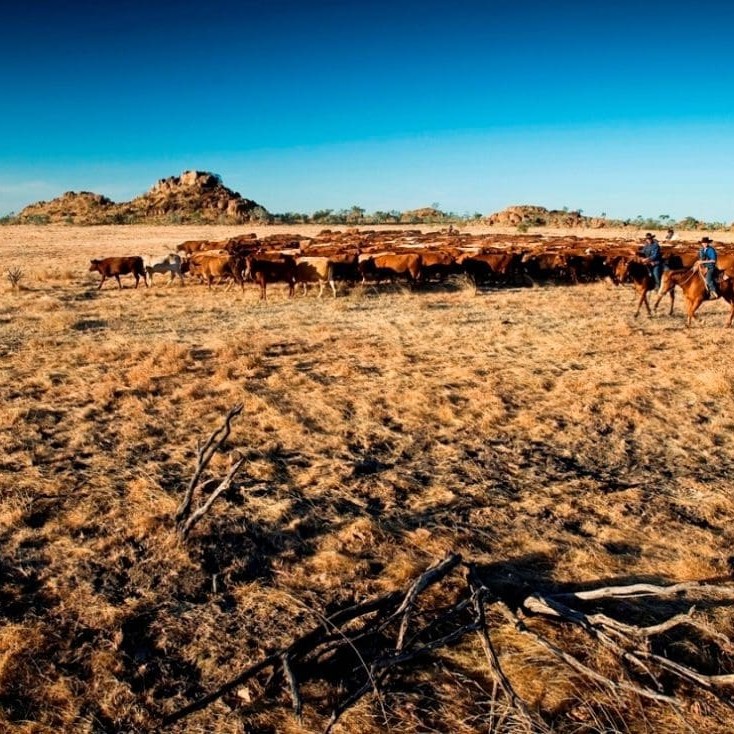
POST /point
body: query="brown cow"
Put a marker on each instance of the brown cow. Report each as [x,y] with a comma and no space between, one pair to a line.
[189,247]
[264,270]
[117,266]
[389,266]
[484,268]
[436,264]
[210,267]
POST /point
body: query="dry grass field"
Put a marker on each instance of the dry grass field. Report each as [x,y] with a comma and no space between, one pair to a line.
[542,433]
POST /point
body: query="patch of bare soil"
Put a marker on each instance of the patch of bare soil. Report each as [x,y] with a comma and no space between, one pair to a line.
[542,433]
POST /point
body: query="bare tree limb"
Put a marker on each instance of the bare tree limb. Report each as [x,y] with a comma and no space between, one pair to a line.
[293,686]
[204,455]
[533,723]
[578,666]
[430,576]
[223,486]
[640,590]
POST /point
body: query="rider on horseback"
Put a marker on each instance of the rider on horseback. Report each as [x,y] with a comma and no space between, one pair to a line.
[707,266]
[653,256]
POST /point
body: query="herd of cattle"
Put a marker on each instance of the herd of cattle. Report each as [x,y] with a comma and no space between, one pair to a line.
[355,257]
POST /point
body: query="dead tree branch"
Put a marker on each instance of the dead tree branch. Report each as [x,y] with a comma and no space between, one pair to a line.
[184,517]
[361,648]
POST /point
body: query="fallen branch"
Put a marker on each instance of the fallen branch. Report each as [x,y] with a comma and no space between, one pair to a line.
[479,591]
[360,648]
[204,456]
[223,486]
[185,519]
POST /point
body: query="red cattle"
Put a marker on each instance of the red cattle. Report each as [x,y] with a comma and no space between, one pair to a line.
[265,268]
[117,266]
[389,266]
[210,267]
[489,267]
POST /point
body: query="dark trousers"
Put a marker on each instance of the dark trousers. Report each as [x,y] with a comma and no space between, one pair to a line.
[657,274]
[708,276]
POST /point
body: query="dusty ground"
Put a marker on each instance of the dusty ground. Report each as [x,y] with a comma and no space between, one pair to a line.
[543,432]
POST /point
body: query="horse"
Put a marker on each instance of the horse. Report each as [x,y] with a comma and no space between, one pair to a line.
[642,280]
[691,282]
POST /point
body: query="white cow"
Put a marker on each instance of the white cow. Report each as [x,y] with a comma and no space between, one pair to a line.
[170,263]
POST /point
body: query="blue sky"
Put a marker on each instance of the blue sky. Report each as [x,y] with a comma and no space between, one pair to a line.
[624,108]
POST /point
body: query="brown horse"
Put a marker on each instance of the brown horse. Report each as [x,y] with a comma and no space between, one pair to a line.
[637,272]
[691,282]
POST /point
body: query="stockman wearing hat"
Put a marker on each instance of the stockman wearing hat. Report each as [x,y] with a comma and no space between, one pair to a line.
[707,266]
[653,256]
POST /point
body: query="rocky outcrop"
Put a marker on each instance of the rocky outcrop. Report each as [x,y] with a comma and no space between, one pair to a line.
[72,207]
[539,216]
[194,196]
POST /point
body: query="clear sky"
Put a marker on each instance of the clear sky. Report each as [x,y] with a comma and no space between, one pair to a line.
[618,107]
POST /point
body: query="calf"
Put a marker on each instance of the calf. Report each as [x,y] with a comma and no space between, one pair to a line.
[171,264]
[117,266]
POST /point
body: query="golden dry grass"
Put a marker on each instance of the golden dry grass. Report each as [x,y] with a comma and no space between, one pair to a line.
[543,432]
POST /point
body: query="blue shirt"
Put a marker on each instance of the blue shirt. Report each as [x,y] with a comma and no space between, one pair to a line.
[653,252]
[707,252]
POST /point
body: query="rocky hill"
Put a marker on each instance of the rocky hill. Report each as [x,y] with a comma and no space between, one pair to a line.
[192,197]
[539,216]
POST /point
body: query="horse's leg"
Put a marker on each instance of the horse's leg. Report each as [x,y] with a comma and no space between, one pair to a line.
[642,300]
[693,306]
[646,302]
[672,301]
[731,316]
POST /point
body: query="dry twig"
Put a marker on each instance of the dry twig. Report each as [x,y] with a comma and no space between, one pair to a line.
[185,519]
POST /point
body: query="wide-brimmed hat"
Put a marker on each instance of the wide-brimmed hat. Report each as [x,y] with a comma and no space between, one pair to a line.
[649,236]
[706,240]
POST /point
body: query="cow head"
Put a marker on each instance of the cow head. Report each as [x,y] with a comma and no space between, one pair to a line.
[94,265]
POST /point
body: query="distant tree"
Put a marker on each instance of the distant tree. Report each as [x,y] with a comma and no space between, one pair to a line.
[321,215]
[355,215]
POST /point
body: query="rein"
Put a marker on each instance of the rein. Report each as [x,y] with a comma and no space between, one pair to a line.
[691,273]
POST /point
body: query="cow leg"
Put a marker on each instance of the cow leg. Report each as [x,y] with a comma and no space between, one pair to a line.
[291,288]
[99,287]
[333,287]
[137,280]
[117,277]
